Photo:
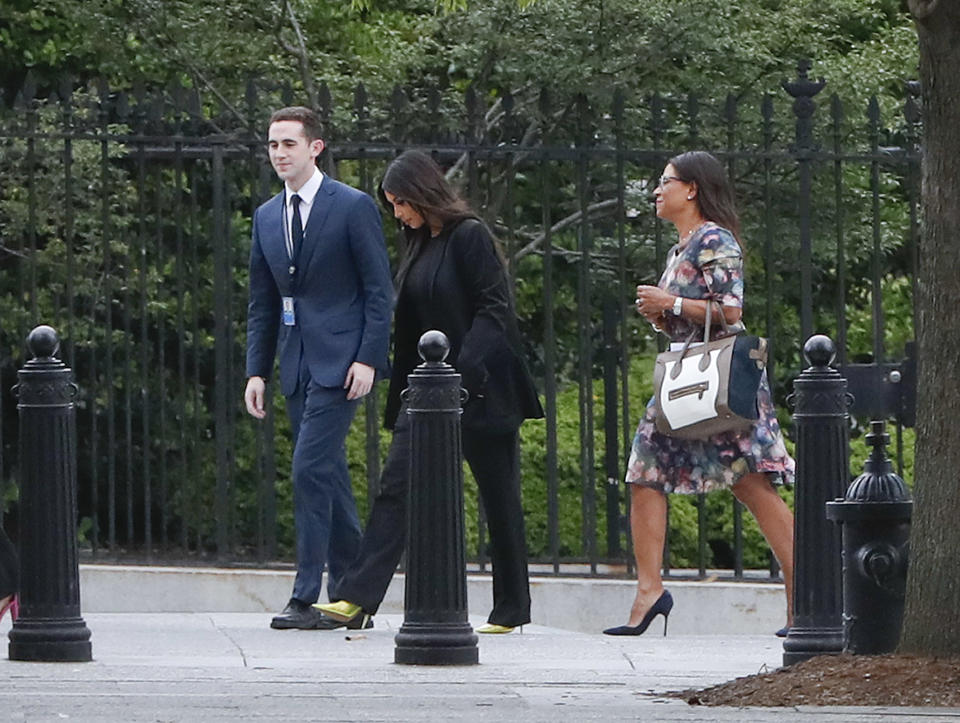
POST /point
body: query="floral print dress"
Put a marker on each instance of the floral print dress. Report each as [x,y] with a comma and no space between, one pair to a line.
[710,264]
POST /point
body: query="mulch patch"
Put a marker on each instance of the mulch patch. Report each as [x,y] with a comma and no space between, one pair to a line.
[863,680]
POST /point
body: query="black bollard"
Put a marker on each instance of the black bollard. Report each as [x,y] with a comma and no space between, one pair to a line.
[821,422]
[875,519]
[49,627]
[435,628]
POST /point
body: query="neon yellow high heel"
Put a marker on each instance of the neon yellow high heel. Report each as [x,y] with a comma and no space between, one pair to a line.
[494,629]
[342,610]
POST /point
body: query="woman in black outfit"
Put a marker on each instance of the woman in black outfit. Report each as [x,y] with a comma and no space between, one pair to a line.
[452,278]
[9,581]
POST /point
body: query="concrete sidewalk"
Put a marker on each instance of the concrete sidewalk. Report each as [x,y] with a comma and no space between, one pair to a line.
[233,667]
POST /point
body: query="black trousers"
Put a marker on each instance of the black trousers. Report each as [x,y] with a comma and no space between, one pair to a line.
[9,566]
[493,459]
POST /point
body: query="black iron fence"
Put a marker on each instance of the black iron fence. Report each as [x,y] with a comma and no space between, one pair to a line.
[125,218]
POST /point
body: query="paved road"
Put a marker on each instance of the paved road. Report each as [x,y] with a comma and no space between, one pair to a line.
[232,667]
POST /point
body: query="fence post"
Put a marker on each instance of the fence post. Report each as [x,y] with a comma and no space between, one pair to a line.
[820,419]
[803,91]
[49,627]
[435,629]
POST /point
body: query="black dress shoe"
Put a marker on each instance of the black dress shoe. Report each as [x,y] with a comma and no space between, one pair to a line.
[296,615]
[359,622]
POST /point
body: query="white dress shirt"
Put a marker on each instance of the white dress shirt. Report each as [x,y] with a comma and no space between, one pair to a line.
[307,193]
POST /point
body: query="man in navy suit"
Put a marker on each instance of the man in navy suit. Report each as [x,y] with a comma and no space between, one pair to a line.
[321,298]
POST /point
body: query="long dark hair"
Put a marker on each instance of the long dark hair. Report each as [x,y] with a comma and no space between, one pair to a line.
[714,191]
[415,178]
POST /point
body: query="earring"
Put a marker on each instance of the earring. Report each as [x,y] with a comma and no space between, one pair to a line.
[689,198]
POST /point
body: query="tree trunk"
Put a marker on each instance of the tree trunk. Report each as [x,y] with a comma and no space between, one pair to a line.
[931,623]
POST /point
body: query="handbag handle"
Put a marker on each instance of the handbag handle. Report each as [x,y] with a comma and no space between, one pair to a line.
[707,326]
[711,300]
[686,344]
[704,357]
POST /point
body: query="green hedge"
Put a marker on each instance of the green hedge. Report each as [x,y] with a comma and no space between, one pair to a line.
[569,493]
[683,508]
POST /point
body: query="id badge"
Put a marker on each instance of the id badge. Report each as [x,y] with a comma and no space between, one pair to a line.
[289,319]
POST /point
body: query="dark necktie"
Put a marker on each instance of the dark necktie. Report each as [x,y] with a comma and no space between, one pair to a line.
[296,227]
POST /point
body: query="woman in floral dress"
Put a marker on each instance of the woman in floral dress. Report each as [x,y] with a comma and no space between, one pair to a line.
[695,195]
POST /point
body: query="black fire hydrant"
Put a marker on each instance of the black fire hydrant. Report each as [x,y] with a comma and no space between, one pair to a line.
[875,518]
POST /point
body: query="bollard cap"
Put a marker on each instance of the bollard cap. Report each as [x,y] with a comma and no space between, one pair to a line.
[433,346]
[820,351]
[43,342]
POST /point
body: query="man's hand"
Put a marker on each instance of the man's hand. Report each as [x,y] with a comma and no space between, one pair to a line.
[254,396]
[359,380]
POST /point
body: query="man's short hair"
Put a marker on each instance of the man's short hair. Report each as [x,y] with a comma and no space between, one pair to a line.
[312,125]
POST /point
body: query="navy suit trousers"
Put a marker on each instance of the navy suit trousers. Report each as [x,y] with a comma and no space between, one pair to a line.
[325,512]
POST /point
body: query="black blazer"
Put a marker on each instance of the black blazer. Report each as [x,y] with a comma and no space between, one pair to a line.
[471,304]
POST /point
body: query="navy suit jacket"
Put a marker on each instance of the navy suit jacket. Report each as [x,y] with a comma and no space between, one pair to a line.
[342,290]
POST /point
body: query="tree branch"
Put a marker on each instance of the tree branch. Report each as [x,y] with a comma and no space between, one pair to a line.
[165,40]
[592,210]
[302,55]
[213,89]
[12,252]
[923,9]
[491,120]
[488,123]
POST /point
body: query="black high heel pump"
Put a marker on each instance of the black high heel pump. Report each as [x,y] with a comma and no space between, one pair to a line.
[662,606]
